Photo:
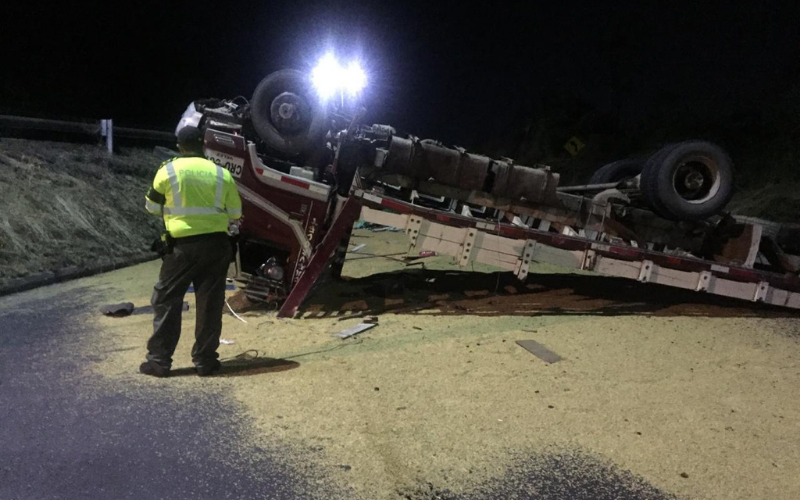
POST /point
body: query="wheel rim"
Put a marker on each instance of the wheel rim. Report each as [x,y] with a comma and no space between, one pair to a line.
[289,113]
[697,180]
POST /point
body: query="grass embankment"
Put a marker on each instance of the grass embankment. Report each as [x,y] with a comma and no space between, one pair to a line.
[65,205]
[779,202]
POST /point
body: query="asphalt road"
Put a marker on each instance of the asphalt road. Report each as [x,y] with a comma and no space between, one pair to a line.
[57,443]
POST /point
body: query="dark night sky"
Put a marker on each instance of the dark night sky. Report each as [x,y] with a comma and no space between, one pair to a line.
[446,70]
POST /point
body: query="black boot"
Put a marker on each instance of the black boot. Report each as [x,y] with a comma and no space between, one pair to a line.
[154,369]
[208,368]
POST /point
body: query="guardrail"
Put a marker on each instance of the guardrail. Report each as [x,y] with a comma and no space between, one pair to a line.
[101,129]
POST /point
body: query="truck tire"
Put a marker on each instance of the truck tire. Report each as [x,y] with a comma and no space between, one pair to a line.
[617,171]
[689,180]
[303,124]
[653,201]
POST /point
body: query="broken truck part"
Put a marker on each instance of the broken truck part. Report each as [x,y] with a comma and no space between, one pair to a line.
[307,170]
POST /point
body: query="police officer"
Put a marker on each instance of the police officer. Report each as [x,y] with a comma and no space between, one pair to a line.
[198,200]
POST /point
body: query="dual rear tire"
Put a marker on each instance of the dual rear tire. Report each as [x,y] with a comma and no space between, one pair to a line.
[689,180]
[618,171]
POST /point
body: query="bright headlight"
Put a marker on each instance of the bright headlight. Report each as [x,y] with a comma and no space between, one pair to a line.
[326,76]
[354,78]
[330,77]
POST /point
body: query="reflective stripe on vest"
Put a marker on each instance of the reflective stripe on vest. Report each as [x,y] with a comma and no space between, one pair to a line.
[220,182]
[192,211]
[152,206]
[234,212]
[173,181]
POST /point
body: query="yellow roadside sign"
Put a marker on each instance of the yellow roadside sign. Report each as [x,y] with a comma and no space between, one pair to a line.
[574,146]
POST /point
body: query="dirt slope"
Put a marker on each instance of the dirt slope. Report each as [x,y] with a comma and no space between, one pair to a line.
[65,205]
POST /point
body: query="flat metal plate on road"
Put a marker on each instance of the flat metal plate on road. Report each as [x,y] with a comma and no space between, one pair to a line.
[353,330]
[539,351]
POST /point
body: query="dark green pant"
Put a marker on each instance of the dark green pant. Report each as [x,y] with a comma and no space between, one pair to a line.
[201,261]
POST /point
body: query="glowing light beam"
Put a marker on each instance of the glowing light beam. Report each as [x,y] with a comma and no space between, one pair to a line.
[330,77]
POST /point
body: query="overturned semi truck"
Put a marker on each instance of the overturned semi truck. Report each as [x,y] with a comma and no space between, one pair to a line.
[307,170]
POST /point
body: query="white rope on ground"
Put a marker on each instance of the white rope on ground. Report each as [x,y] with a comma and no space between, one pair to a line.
[234,313]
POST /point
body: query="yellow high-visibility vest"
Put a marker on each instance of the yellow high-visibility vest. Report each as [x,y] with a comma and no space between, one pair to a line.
[196,196]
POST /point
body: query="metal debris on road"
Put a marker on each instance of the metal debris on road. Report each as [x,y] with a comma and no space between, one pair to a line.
[539,351]
[358,247]
[226,342]
[354,330]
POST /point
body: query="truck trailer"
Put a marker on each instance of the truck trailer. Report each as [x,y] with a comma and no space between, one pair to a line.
[308,169]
